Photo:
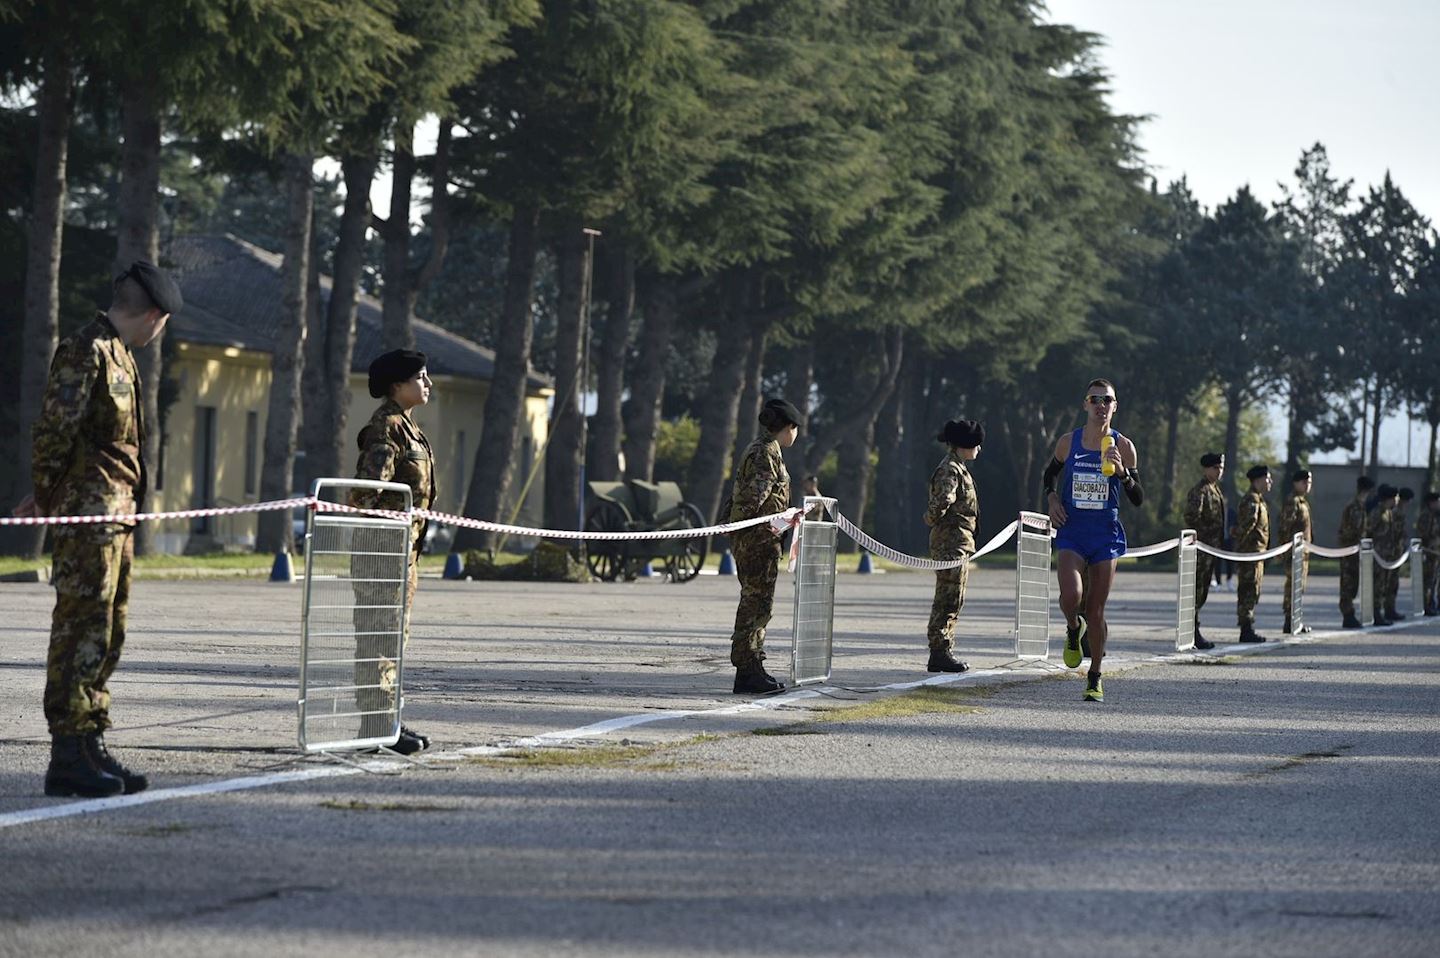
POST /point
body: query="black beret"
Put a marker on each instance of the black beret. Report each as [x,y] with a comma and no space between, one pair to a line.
[777,413]
[1258,472]
[1432,497]
[1406,493]
[1363,483]
[157,285]
[965,433]
[1212,459]
[1300,475]
[393,367]
[1387,491]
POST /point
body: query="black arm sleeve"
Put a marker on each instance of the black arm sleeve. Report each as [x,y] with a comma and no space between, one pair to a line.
[1051,471]
[1133,490]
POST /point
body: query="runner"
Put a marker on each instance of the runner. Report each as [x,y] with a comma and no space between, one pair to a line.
[1086,513]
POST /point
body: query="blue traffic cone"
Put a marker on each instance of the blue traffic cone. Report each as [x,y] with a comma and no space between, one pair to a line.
[454,566]
[646,572]
[727,563]
[281,571]
[864,567]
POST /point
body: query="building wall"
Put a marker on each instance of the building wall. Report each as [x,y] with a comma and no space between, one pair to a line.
[235,384]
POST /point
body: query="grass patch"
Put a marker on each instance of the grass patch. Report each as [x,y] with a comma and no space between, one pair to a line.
[649,758]
[357,805]
[922,701]
[1210,660]
[797,728]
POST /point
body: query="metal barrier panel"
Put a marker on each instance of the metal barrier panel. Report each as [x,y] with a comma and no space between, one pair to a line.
[1367,581]
[1032,586]
[352,623]
[1297,584]
[812,638]
[1185,565]
[1418,605]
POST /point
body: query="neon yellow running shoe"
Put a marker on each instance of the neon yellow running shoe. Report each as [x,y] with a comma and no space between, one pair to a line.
[1094,691]
[1073,652]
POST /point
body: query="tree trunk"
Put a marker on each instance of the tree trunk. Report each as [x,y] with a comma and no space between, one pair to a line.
[42,280]
[397,301]
[287,360]
[562,456]
[505,404]
[315,406]
[604,451]
[326,439]
[892,473]
[706,476]
[1377,413]
[1234,405]
[439,214]
[799,377]
[647,385]
[1295,430]
[1431,464]
[1172,453]
[852,478]
[748,409]
[138,213]
[862,415]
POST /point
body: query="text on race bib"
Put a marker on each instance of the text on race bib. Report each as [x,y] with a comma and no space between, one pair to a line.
[1090,490]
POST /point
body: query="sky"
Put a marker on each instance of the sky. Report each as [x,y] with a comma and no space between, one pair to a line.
[1236,89]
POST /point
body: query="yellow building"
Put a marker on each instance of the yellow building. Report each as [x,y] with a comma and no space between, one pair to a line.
[214,433]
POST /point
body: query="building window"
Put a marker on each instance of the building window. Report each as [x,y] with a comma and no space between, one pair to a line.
[203,496]
[252,452]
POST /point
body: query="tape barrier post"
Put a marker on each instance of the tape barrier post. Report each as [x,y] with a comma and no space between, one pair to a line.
[1032,586]
[1185,570]
[1417,577]
[813,630]
[1297,584]
[1367,581]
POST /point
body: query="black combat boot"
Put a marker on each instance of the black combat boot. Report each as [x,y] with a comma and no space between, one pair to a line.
[1381,620]
[73,773]
[1351,622]
[1248,633]
[1286,627]
[1201,642]
[754,680]
[1432,610]
[943,660]
[1393,616]
[100,755]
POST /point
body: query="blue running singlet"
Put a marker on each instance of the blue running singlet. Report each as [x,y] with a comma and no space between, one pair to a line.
[1092,526]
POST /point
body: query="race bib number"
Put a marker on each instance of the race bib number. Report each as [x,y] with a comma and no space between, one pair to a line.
[1089,490]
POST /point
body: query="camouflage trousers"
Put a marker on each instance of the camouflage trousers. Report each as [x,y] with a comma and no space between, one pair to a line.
[1204,575]
[949,600]
[1290,574]
[91,574]
[1387,587]
[1349,585]
[1247,590]
[380,616]
[1432,580]
[757,564]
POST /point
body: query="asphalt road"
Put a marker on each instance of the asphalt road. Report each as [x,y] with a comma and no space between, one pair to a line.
[1276,800]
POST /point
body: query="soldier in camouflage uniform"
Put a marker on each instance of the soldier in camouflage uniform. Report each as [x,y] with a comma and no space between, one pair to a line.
[1381,528]
[1352,530]
[1205,513]
[392,449]
[87,461]
[1427,529]
[1396,546]
[1252,534]
[761,487]
[953,515]
[1295,518]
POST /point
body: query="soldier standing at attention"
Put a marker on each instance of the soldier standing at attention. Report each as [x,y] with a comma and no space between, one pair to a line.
[1395,548]
[1252,534]
[1097,462]
[1352,530]
[393,449]
[1427,528]
[1205,513]
[762,487]
[1295,518]
[87,461]
[953,515]
[1380,527]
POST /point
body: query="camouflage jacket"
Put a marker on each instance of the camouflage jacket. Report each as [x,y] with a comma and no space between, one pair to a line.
[1427,528]
[1205,512]
[762,485]
[1295,517]
[1252,524]
[1380,527]
[953,511]
[393,449]
[1396,540]
[87,440]
[1353,521]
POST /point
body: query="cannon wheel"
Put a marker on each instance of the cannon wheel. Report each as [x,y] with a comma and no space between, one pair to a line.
[686,564]
[606,557]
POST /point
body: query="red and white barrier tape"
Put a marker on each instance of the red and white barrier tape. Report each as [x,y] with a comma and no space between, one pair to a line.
[875,547]
[128,518]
